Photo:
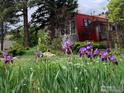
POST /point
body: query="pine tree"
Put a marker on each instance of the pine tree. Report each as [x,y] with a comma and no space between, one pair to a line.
[56,14]
[7,16]
[22,6]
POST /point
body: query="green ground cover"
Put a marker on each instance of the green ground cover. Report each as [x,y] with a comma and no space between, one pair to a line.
[57,75]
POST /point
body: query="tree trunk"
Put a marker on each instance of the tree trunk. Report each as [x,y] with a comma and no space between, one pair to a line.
[117,36]
[36,36]
[108,36]
[26,26]
[2,36]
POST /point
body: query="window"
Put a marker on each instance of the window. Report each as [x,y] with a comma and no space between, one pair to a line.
[103,33]
[87,22]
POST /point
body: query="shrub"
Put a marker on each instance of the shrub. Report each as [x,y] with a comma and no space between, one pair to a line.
[78,45]
[42,47]
[0,53]
[17,49]
[42,41]
[98,45]
[33,36]
[56,43]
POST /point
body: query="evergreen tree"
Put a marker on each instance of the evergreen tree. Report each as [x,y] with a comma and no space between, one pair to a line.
[56,14]
[22,6]
[7,16]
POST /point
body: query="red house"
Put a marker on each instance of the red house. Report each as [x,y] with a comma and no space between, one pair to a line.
[90,27]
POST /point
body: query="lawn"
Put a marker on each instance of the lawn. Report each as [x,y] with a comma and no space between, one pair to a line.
[57,75]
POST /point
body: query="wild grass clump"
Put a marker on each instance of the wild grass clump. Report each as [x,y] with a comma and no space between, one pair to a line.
[52,76]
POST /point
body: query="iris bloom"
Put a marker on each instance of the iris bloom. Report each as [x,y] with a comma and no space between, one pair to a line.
[113,60]
[67,47]
[7,59]
[88,54]
[108,50]
[88,43]
[104,56]
[89,46]
[82,51]
[5,53]
[37,53]
[96,53]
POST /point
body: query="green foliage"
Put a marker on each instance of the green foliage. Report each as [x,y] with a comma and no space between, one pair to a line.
[59,14]
[115,8]
[42,47]
[95,45]
[1,53]
[58,76]
[42,41]
[56,43]
[8,17]
[7,11]
[55,46]
[17,49]
[18,36]
[33,36]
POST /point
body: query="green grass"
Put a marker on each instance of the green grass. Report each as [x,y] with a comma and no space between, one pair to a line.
[57,75]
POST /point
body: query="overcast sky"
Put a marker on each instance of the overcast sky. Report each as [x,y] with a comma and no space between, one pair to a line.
[88,6]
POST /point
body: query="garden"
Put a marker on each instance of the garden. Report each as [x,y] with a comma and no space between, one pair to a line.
[48,46]
[66,73]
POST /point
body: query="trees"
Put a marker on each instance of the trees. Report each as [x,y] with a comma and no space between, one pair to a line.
[56,14]
[22,6]
[116,17]
[116,8]
[7,16]
[61,15]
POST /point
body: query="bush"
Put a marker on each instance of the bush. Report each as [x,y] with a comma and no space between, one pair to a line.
[56,43]
[42,47]
[42,41]
[98,45]
[78,45]
[17,49]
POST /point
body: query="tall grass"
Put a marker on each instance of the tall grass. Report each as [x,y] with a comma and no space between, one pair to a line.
[59,76]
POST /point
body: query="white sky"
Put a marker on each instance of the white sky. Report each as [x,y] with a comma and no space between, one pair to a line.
[88,6]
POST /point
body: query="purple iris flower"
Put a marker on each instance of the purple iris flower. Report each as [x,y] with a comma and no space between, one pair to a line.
[108,50]
[82,51]
[104,56]
[67,47]
[37,53]
[5,53]
[8,59]
[88,43]
[88,47]
[113,59]
[96,53]
[88,54]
